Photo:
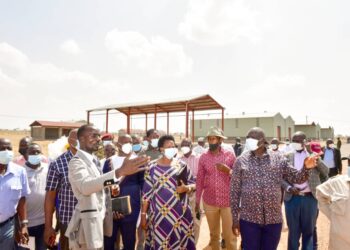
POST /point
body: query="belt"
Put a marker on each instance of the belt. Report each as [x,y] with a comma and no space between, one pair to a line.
[4,222]
[88,211]
[304,194]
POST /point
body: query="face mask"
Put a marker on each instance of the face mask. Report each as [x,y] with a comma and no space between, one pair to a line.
[106,143]
[127,148]
[273,146]
[213,147]
[297,146]
[6,157]
[136,147]
[78,145]
[170,153]
[154,143]
[185,150]
[349,171]
[145,143]
[331,145]
[251,144]
[34,159]
[22,151]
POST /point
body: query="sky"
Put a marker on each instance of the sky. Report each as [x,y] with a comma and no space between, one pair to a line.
[60,58]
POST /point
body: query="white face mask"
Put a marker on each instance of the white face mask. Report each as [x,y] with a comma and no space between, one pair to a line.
[106,143]
[170,153]
[154,143]
[6,157]
[273,146]
[127,148]
[185,150]
[251,144]
[34,159]
[331,145]
[297,146]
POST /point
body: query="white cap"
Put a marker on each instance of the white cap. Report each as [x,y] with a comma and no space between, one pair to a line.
[200,139]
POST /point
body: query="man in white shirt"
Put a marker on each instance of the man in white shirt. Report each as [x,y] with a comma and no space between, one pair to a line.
[200,148]
[191,160]
[37,173]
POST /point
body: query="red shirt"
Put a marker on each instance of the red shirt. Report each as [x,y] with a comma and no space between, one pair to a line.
[214,184]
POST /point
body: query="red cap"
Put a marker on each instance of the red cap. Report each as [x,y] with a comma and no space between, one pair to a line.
[107,137]
[315,147]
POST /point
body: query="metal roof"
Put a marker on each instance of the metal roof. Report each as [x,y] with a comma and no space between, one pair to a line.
[56,124]
[202,102]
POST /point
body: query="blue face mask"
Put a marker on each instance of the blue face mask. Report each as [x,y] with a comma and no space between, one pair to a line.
[6,157]
[34,159]
[136,147]
[145,143]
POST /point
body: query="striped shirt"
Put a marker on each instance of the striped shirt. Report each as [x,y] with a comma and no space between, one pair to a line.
[192,162]
[57,180]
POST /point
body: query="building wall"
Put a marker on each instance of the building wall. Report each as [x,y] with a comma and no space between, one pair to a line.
[38,133]
[234,127]
[289,123]
[327,133]
[309,130]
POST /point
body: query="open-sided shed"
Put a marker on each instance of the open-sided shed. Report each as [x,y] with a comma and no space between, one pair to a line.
[187,105]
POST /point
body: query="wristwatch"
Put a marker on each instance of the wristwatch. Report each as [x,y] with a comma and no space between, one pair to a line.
[23,223]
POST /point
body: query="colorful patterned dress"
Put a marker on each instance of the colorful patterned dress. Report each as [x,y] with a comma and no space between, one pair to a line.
[170,222]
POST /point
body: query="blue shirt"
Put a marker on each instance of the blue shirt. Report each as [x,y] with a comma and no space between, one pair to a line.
[57,180]
[329,158]
[13,186]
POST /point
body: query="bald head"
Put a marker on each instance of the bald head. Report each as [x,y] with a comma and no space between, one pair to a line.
[256,133]
[299,137]
[186,142]
[4,142]
[23,144]
[73,137]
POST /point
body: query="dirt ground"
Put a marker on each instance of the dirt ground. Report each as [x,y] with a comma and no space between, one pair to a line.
[322,222]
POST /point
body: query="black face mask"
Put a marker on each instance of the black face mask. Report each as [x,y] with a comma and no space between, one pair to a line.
[213,147]
[22,151]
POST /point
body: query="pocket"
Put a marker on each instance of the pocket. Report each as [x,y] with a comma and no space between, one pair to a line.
[15,192]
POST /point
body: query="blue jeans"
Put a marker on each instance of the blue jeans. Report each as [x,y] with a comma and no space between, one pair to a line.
[260,237]
[127,231]
[301,215]
[7,240]
[38,233]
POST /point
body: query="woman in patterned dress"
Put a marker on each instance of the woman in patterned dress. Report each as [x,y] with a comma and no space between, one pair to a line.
[166,214]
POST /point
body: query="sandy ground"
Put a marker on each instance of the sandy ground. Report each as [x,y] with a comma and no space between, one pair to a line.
[322,222]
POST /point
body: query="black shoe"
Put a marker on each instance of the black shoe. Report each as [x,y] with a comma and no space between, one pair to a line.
[223,243]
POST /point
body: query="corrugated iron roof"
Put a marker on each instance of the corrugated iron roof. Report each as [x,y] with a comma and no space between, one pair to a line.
[200,102]
[56,124]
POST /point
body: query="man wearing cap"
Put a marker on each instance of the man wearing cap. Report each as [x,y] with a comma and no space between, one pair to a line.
[200,148]
[213,182]
[332,158]
[299,200]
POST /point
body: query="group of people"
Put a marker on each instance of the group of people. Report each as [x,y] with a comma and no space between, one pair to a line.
[239,188]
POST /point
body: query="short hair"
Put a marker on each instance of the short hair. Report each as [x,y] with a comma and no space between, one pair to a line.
[164,138]
[83,129]
[150,131]
[33,144]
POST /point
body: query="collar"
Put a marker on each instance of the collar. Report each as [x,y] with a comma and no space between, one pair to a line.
[10,169]
[89,156]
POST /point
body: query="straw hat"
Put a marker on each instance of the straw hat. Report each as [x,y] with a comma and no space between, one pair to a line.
[214,131]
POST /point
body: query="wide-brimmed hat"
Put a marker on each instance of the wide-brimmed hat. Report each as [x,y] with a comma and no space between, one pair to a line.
[215,131]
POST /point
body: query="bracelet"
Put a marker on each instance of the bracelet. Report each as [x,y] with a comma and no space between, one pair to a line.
[143,213]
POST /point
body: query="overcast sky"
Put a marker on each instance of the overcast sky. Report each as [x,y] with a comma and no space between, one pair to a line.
[60,58]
